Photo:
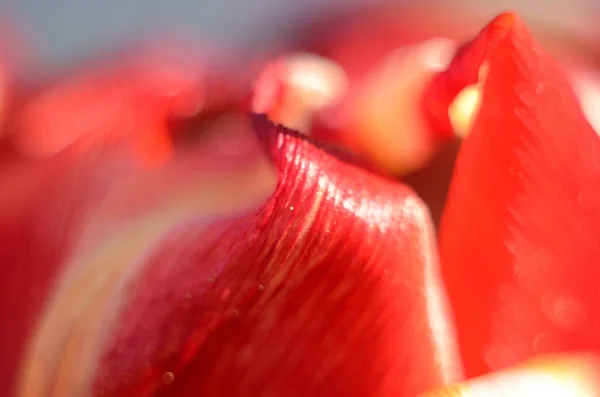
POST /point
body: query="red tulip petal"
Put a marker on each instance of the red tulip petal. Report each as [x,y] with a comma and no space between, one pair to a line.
[345,274]
[330,289]
[520,235]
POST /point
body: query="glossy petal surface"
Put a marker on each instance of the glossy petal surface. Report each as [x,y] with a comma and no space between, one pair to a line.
[331,288]
[520,235]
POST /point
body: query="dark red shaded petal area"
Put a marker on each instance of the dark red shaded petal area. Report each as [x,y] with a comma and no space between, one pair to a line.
[520,235]
[330,289]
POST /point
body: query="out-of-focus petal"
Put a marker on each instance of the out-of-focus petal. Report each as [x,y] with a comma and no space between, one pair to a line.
[106,103]
[293,88]
[519,236]
[47,202]
[331,288]
[58,205]
[217,180]
[559,376]
[383,119]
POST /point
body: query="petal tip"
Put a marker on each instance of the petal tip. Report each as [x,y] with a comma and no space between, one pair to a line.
[505,20]
[501,27]
[468,64]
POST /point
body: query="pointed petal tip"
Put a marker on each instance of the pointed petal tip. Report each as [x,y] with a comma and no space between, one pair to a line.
[505,21]
[472,56]
[506,26]
[465,70]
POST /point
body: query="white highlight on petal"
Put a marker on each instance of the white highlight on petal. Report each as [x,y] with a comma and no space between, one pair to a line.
[549,376]
[438,307]
[573,378]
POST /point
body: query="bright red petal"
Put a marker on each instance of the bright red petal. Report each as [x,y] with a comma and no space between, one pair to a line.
[520,234]
[330,289]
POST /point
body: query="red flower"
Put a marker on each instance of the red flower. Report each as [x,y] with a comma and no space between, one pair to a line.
[221,272]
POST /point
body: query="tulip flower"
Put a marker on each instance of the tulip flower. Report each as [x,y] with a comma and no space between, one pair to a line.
[149,253]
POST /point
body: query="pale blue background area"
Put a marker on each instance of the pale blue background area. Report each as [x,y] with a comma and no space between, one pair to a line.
[62,29]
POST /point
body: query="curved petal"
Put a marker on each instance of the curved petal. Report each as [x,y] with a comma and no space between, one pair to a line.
[519,236]
[323,291]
